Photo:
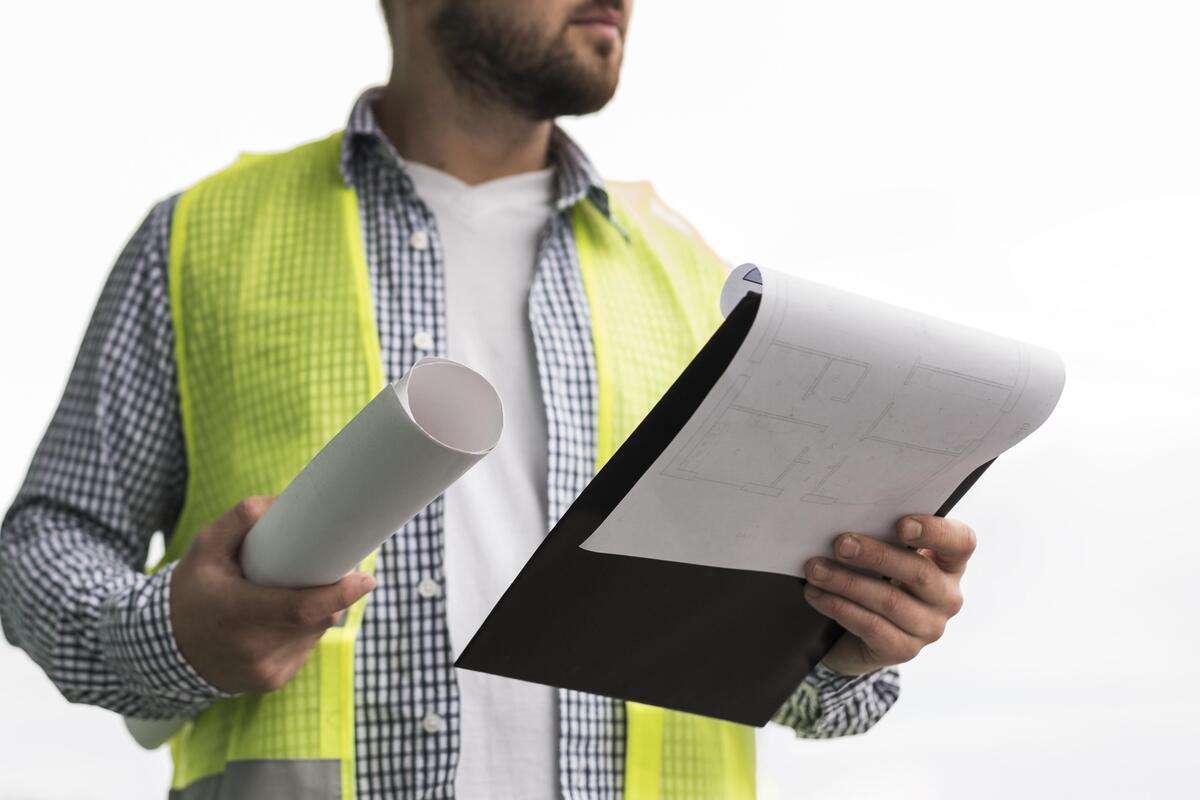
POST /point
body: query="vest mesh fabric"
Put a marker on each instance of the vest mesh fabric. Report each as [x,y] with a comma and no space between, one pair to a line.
[276,350]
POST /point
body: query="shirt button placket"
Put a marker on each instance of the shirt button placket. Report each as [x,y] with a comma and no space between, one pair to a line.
[420,241]
[422,258]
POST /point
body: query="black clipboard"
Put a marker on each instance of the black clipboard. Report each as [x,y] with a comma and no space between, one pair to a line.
[725,643]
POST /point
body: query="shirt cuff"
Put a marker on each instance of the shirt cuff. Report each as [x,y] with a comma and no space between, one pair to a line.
[828,704]
[139,646]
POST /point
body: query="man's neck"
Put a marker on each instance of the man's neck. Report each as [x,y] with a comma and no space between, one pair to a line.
[431,122]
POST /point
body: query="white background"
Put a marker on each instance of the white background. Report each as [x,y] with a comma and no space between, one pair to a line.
[1031,167]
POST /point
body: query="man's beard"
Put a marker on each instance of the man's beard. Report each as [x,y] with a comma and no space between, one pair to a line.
[510,62]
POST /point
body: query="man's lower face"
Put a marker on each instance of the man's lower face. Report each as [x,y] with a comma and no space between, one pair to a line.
[543,64]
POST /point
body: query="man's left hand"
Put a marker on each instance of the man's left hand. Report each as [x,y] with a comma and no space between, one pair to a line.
[889,621]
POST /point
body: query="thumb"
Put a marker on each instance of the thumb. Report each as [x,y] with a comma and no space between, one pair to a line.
[225,534]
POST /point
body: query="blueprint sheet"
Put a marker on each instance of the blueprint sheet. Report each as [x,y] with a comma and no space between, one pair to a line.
[838,413]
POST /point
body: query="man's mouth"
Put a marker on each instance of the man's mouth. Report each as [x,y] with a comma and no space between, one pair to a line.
[608,20]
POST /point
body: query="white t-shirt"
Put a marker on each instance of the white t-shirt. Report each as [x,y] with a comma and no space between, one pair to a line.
[496,513]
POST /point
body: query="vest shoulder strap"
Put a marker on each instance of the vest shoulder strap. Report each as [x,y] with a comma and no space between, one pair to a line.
[654,216]
[227,199]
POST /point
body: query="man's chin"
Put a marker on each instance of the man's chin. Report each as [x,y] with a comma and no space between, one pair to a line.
[598,76]
[596,95]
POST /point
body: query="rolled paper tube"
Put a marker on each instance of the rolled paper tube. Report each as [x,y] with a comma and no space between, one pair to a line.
[404,448]
[401,451]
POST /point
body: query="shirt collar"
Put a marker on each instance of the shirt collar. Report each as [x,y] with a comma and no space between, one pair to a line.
[576,177]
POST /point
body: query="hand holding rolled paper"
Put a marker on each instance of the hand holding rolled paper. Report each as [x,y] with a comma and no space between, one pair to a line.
[415,438]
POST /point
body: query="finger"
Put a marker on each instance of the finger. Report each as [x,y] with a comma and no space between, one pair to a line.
[884,598]
[224,536]
[919,575]
[309,609]
[887,642]
[324,603]
[951,540]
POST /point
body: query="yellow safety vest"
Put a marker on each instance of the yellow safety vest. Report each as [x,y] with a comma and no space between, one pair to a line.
[276,349]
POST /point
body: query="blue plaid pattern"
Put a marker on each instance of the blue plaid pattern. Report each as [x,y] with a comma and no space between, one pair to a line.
[111,470]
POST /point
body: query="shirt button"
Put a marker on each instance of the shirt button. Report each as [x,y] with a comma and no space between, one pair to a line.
[433,723]
[419,240]
[423,340]
[429,588]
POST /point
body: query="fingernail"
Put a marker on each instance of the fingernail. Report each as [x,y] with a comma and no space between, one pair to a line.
[813,592]
[910,530]
[818,571]
[367,583]
[848,546]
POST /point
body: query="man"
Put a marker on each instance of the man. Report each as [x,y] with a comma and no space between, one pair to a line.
[249,317]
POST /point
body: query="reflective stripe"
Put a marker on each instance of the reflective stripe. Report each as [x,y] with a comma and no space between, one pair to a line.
[643,751]
[268,780]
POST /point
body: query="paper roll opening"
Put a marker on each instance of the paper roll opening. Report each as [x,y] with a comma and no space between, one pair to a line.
[741,281]
[456,406]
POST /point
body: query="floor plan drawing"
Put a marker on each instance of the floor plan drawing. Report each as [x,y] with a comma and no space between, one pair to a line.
[914,438]
[836,413]
[757,438]
[748,449]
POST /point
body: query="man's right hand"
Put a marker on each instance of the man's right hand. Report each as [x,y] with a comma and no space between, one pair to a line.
[238,636]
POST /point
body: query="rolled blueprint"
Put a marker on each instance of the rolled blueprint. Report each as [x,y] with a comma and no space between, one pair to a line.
[402,450]
[416,437]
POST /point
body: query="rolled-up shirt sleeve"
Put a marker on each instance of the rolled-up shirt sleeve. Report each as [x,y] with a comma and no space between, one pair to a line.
[109,471]
[828,704]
